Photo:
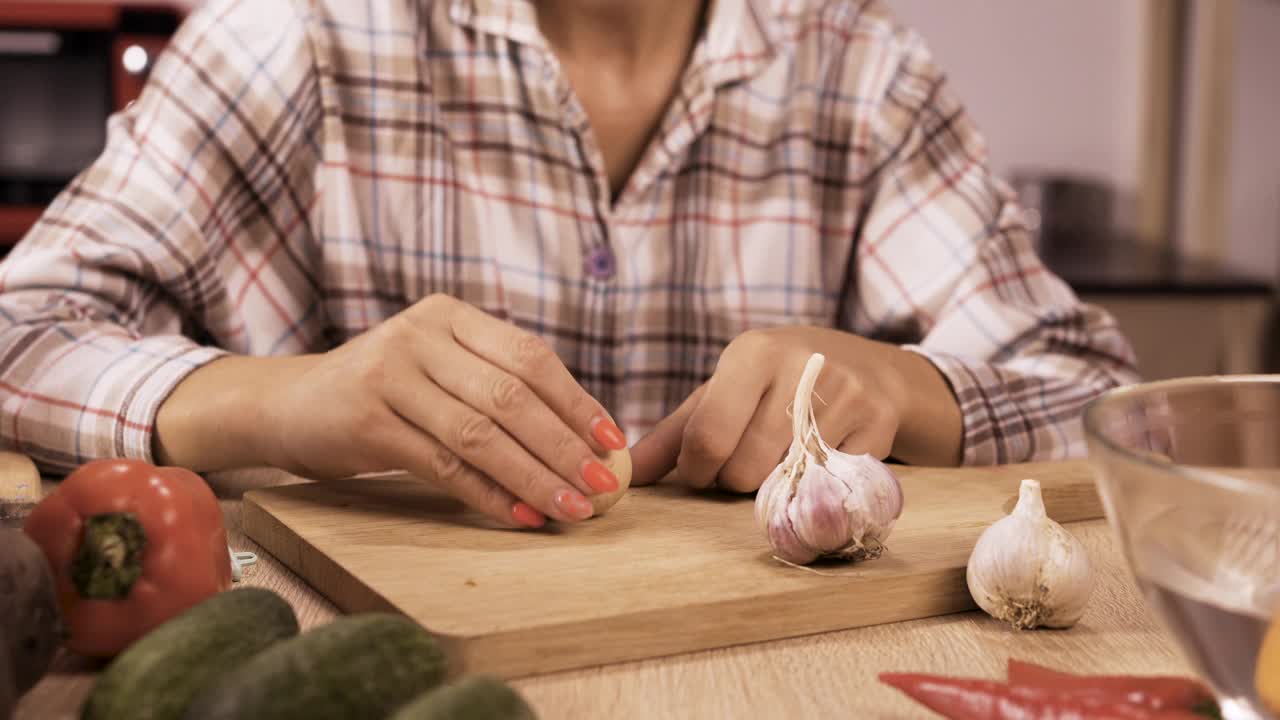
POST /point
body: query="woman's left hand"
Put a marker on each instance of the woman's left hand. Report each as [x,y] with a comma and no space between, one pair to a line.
[736,427]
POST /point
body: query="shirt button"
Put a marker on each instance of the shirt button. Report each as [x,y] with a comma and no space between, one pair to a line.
[600,264]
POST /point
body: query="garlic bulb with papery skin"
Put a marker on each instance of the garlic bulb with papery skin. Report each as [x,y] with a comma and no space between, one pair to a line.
[823,503]
[1028,570]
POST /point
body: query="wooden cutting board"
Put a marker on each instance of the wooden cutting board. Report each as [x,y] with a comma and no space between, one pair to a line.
[667,570]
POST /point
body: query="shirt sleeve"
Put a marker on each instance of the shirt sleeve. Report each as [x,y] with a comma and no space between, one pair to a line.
[945,261]
[137,273]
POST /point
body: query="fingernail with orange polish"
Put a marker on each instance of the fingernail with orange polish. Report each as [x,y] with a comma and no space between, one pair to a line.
[573,504]
[527,516]
[598,477]
[608,434]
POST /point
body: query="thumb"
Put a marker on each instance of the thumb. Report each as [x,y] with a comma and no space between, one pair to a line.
[655,454]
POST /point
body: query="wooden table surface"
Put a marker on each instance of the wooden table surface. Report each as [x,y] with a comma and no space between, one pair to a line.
[829,675]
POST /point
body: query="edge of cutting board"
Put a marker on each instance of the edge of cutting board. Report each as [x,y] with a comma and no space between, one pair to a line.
[304,559]
[1071,497]
[554,648]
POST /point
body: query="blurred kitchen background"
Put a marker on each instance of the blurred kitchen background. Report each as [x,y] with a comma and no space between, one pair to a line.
[1141,135]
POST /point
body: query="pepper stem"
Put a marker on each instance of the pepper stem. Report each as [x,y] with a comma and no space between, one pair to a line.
[109,561]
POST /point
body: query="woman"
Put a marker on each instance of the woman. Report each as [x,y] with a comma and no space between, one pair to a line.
[476,238]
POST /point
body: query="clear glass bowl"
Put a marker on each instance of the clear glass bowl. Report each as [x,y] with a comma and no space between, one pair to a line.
[1189,474]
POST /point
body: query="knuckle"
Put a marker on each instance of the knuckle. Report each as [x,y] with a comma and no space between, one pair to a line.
[509,394]
[520,481]
[568,445]
[582,407]
[702,442]
[395,327]
[398,331]
[371,372]
[433,310]
[753,342]
[529,482]
[475,432]
[436,302]
[531,354]
[853,382]
[446,466]
[848,390]
[887,413]
[491,498]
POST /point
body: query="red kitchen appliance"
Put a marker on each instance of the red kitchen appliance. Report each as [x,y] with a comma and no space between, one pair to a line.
[66,66]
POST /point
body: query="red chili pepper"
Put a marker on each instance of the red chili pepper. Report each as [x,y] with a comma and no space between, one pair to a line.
[1155,692]
[974,699]
[131,546]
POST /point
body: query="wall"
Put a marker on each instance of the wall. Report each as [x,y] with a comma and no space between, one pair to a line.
[1059,85]
[1053,84]
[1253,204]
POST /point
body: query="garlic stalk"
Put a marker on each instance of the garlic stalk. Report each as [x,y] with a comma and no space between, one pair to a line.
[1028,570]
[820,502]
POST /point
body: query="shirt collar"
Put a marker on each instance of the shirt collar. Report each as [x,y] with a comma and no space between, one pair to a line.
[516,20]
[741,36]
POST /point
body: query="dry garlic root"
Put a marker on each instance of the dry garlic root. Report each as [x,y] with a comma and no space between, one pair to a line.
[1028,570]
[619,463]
[820,502]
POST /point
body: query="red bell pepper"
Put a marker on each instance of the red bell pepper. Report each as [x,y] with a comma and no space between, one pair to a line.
[131,546]
[974,699]
[1155,692]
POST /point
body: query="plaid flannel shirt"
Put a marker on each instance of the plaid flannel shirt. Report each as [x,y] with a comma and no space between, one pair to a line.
[297,171]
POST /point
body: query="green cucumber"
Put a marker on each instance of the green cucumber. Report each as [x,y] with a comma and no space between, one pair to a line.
[478,697]
[358,666]
[157,676]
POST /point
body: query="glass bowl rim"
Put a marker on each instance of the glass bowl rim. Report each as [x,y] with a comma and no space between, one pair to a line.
[1228,483]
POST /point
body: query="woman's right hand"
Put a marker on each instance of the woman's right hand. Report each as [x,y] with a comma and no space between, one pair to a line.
[443,390]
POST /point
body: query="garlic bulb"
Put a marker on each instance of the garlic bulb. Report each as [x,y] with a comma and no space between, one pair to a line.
[1028,570]
[820,502]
